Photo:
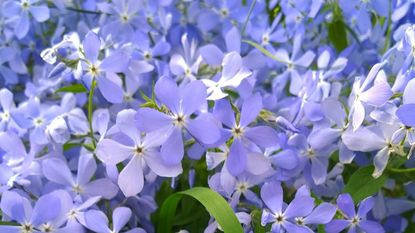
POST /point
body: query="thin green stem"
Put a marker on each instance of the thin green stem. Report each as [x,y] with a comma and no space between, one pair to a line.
[388,30]
[403,170]
[84,11]
[90,111]
[248,16]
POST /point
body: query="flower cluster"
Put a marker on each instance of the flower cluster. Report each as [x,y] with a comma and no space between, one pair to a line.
[299,113]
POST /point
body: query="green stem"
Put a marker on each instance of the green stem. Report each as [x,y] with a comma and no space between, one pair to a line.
[404,170]
[388,30]
[90,111]
[84,11]
[248,16]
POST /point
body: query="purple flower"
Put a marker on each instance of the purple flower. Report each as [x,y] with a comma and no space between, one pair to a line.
[57,171]
[377,95]
[97,221]
[103,71]
[378,139]
[295,216]
[181,103]
[243,136]
[142,152]
[355,222]
[186,65]
[19,11]
[48,213]
[232,75]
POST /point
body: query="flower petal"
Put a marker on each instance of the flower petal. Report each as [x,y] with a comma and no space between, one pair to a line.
[156,164]
[91,46]
[172,150]
[120,217]
[236,161]
[111,152]
[272,195]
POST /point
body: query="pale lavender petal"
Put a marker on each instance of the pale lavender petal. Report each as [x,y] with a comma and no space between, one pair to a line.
[306,59]
[336,226]
[177,64]
[321,138]
[380,161]
[133,171]
[291,227]
[323,60]
[168,93]
[56,170]
[115,63]
[12,204]
[223,111]
[409,93]
[23,25]
[250,109]
[263,136]
[97,221]
[101,187]
[406,113]
[345,204]
[111,152]
[358,114]
[6,99]
[110,90]
[227,180]
[322,214]
[378,95]
[371,227]
[318,171]
[40,13]
[148,119]
[285,159]
[272,195]
[86,168]
[120,217]
[193,97]
[46,209]
[172,150]
[233,40]
[345,155]
[371,142]
[204,128]
[365,206]
[299,207]
[91,46]
[232,63]
[156,164]
[257,163]
[211,54]
[10,229]
[126,122]
[236,162]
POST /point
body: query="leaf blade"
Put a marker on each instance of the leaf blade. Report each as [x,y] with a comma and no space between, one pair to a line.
[74,88]
[212,201]
[361,184]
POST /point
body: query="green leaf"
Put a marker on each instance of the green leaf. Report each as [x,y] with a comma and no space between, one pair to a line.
[361,184]
[74,88]
[68,146]
[212,201]
[337,34]
[89,147]
[8,224]
[321,229]
[256,221]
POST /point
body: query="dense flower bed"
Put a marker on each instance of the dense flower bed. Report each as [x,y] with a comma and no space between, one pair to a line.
[260,115]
